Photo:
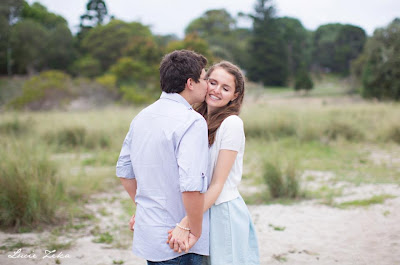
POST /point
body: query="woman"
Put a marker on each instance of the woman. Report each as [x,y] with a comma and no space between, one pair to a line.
[232,235]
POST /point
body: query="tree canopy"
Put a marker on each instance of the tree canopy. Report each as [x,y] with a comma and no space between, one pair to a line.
[267,47]
[275,51]
[380,67]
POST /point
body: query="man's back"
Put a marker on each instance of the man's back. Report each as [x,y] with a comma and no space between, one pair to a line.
[168,149]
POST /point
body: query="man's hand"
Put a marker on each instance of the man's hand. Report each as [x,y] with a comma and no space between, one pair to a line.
[132,223]
[178,239]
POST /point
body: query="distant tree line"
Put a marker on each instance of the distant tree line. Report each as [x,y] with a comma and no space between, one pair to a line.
[275,51]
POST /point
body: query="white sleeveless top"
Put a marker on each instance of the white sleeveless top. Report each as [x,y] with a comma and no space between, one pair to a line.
[229,136]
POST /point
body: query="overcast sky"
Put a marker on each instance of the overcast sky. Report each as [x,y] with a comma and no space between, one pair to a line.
[172,16]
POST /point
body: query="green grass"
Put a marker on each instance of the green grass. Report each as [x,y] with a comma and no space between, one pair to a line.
[54,244]
[78,150]
[349,161]
[378,199]
[105,237]
[16,245]
[31,188]
[325,193]
[277,228]
[280,257]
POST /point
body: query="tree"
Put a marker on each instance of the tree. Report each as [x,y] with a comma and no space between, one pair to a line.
[217,22]
[297,44]
[194,43]
[10,11]
[350,42]
[40,40]
[303,80]
[336,45]
[267,47]
[40,14]
[28,40]
[324,46]
[60,51]
[143,48]
[381,69]
[220,30]
[86,66]
[96,14]
[109,42]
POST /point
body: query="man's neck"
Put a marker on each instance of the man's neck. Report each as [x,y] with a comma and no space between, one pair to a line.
[186,96]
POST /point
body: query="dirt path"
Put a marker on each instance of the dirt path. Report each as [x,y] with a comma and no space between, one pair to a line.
[305,233]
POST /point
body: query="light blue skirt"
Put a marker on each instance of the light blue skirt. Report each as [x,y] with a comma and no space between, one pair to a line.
[233,239]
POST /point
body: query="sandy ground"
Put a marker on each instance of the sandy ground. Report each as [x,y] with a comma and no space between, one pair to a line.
[305,233]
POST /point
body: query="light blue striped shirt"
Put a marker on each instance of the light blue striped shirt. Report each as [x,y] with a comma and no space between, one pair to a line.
[166,150]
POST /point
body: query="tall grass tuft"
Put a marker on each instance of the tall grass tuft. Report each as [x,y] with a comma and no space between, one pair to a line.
[281,182]
[68,137]
[78,137]
[336,129]
[391,133]
[30,189]
[15,126]
[271,128]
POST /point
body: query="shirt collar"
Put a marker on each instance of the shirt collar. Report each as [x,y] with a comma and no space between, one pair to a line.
[175,97]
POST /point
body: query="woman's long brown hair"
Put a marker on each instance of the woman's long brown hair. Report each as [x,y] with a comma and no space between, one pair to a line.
[215,118]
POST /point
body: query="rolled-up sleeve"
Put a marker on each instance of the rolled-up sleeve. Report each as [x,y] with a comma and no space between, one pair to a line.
[192,158]
[124,164]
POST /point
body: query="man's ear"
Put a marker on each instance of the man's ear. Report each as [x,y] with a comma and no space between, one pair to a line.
[189,83]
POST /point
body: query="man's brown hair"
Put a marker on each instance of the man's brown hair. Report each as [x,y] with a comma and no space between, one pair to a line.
[177,67]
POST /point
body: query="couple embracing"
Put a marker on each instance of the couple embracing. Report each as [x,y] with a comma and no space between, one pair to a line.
[181,163]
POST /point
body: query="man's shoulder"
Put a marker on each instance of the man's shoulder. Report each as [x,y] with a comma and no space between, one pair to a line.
[198,117]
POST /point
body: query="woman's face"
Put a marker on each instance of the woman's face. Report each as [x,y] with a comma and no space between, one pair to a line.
[221,89]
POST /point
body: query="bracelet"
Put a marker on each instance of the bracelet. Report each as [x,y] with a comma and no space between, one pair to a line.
[181,227]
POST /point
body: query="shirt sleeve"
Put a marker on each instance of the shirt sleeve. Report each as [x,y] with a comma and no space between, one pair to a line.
[124,167]
[192,158]
[232,133]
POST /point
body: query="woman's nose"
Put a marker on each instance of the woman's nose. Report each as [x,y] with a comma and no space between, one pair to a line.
[217,89]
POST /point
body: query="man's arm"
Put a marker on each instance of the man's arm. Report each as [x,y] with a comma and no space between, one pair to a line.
[192,158]
[181,239]
[194,204]
[130,186]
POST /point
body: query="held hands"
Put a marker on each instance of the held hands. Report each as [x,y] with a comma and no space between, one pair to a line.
[180,239]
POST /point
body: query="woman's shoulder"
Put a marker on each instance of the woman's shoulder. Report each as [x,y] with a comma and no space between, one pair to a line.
[232,121]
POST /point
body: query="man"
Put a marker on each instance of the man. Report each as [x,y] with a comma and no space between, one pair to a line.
[164,160]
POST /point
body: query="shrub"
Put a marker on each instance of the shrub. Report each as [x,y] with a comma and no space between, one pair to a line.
[303,81]
[282,183]
[108,81]
[274,180]
[86,66]
[131,94]
[48,90]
